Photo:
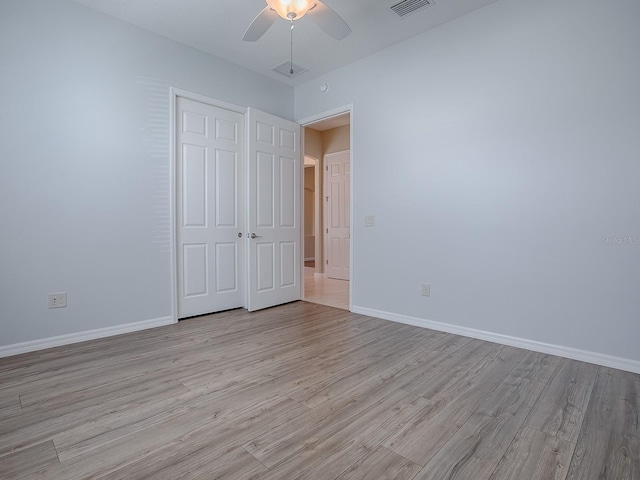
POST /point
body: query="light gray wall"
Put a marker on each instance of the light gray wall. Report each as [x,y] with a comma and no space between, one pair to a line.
[497,153]
[84,163]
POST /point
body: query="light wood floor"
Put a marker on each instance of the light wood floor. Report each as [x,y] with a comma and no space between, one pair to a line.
[305,391]
[325,291]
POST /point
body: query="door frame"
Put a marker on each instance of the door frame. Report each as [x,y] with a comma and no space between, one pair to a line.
[174,93]
[307,122]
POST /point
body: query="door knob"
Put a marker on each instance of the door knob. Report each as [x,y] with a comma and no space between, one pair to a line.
[239,234]
[253,235]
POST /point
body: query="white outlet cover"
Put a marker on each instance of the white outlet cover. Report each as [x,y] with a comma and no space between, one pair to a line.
[57,300]
[369,221]
[426,289]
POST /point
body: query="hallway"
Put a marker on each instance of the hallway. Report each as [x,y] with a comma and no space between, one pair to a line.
[325,291]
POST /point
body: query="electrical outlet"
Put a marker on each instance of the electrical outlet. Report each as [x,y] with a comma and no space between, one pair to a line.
[57,300]
[369,221]
[426,290]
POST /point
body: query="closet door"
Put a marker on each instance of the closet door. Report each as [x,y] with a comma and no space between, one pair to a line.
[210,146]
[273,254]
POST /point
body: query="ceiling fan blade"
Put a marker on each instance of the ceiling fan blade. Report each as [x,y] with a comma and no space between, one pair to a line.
[260,25]
[329,21]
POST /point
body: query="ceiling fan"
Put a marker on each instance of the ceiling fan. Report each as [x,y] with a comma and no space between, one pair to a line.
[291,10]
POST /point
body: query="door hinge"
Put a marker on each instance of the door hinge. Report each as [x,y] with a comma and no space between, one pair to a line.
[327,262]
[327,230]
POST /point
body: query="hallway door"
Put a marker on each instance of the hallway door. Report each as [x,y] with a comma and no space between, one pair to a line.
[338,232]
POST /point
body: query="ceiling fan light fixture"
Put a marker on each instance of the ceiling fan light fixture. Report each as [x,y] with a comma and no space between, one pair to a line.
[291,9]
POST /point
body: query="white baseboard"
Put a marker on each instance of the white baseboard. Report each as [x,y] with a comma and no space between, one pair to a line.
[559,350]
[34,345]
[319,275]
[308,259]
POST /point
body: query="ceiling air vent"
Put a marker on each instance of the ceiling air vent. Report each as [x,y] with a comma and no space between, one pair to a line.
[409,6]
[285,69]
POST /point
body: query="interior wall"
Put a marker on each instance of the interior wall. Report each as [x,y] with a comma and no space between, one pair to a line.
[84,142]
[310,186]
[313,148]
[313,143]
[309,211]
[336,139]
[506,144]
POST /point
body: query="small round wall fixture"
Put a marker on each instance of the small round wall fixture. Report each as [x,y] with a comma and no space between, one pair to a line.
[324,88]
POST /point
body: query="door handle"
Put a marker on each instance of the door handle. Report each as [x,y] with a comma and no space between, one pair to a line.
[253,235]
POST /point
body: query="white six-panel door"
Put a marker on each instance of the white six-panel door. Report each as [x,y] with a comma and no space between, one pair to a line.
[337,196]
[273,256]
[210,148]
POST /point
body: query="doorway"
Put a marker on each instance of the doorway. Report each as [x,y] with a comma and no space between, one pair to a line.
[327,236]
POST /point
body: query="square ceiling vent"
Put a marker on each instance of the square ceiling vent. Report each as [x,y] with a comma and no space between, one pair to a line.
[409,6]
[286,67]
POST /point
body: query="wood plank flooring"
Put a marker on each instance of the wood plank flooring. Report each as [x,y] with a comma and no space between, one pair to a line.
[305,391]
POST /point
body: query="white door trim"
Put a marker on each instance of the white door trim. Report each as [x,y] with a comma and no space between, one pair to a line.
[174,93]
[334,112]
[304,122]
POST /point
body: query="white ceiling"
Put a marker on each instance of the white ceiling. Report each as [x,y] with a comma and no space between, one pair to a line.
[217,27]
